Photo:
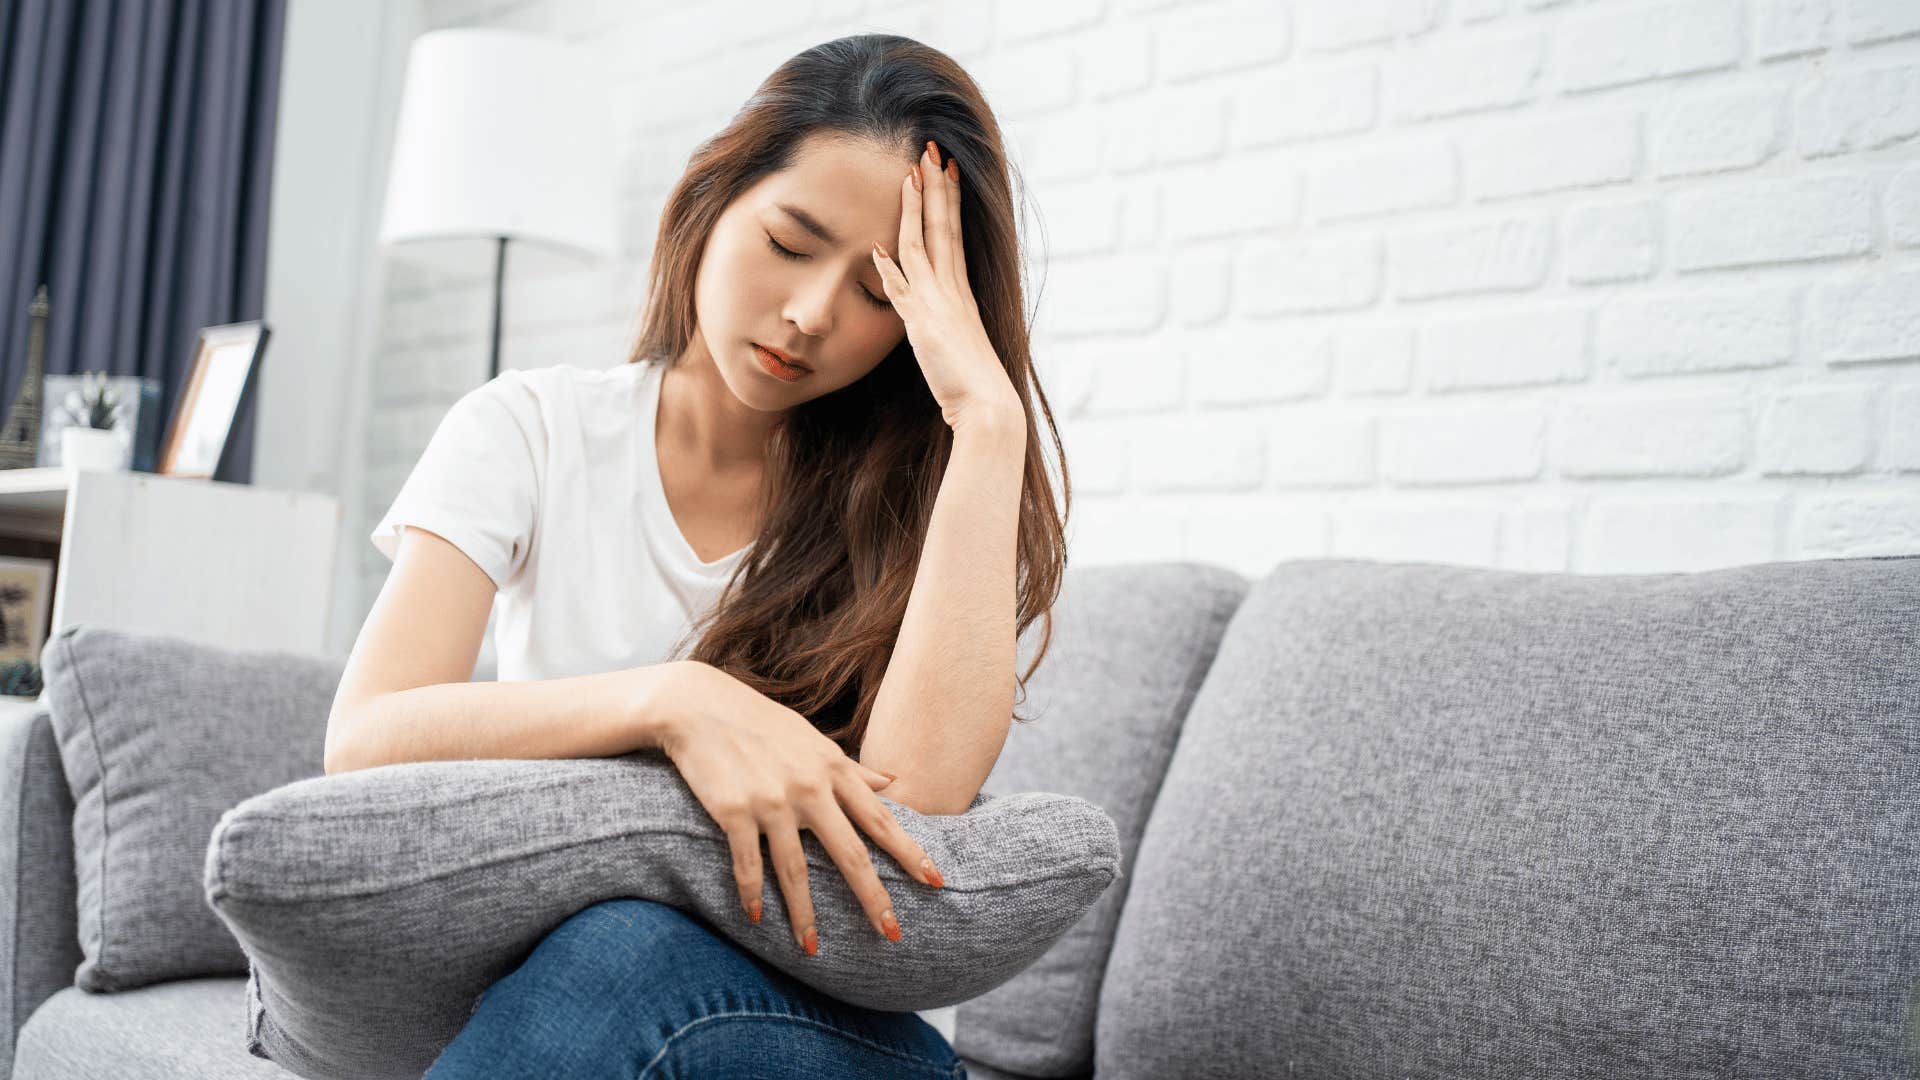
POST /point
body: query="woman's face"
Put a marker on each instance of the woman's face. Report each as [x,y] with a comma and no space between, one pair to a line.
[823,305]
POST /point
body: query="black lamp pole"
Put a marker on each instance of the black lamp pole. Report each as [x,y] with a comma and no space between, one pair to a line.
[499,274]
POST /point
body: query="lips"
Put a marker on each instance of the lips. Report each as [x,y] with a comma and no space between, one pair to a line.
[786,358]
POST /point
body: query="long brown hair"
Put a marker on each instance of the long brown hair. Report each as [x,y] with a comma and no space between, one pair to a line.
[811,614]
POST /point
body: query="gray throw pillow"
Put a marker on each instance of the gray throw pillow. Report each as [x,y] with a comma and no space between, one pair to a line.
[377,905]
[158,736]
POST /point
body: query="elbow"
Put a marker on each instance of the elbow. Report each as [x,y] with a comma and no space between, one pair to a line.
[347,726]
[338,756]
[335,760]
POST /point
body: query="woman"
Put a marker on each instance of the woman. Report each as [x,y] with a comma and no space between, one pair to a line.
[836,410]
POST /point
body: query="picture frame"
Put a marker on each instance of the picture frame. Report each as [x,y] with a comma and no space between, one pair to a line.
[26,603]
[224,362]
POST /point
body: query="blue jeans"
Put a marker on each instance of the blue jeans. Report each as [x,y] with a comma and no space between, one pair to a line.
[636,989]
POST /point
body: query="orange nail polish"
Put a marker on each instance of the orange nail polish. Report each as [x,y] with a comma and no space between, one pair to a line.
[933,152]
[933,876]
[889,926]
[916,178]
[753,911]
[811,942]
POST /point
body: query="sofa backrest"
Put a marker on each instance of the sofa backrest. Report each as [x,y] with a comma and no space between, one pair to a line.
[1131,644]
[39,945]
[1430,821]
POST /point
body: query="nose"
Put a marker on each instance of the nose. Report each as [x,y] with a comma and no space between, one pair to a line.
[810,308]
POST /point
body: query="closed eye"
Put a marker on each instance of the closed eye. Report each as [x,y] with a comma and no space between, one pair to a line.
[796,256]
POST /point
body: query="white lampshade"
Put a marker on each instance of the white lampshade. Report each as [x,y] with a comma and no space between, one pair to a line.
[502,133]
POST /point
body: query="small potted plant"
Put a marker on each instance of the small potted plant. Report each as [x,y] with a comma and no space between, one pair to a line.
[90,440]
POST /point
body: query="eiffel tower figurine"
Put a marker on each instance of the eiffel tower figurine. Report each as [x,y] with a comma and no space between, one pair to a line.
[20,439]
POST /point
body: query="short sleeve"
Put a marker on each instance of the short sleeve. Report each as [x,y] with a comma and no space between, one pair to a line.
[476,483]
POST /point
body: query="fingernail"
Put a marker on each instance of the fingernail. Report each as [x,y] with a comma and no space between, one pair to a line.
[953,170]
[933,152]
[888,926]
[753,911]
[915,174]
[882,251]
[810,942]
[933,876]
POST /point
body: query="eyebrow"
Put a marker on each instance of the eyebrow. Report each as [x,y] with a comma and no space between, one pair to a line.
[809,222]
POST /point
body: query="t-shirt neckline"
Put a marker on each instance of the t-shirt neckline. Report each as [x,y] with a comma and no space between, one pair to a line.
[650,408]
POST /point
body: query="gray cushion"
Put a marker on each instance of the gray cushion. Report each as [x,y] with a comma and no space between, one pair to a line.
[158,737]
[377,905]
[185,1029]
[189,1028]
[977,1070]
[1130,647]
[1437,821]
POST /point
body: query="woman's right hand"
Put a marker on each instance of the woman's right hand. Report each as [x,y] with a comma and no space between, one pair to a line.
[761,767]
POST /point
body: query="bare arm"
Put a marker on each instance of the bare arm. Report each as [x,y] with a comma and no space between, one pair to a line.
[406,696]
[946,701]
[600,715]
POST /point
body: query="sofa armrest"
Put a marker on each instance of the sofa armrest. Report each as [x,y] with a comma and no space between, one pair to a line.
[39,932]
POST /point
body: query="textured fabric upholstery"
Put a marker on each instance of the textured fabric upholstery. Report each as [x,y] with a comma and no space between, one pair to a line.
[186,1028]
[1130,646]
[1438,821]
[158,736]
[377,905]
[39,949]
[1421,821]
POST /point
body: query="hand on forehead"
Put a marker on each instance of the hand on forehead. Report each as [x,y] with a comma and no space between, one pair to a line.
[846,189]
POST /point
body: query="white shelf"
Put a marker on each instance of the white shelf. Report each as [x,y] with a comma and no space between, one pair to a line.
[28,481]
[226,564]
[39,493]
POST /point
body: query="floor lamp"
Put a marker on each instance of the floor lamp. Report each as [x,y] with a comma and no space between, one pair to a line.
[502,136]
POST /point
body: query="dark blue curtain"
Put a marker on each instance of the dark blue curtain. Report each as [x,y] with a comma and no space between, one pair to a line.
[136,154]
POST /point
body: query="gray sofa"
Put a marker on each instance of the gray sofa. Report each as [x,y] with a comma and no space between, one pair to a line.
[1377,820]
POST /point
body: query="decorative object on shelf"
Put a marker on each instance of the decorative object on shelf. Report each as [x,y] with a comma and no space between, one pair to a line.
[20,679]
[502,136]
[93,404]
[26,610]
[88,414]
[223,373]
[19,441]
[136,423]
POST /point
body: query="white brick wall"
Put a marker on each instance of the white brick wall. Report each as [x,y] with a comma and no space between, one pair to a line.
[1595,287]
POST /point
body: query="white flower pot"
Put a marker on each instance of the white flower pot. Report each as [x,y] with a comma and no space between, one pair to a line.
[92,448]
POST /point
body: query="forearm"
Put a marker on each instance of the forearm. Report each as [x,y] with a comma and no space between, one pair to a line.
[946,701]
[599,715]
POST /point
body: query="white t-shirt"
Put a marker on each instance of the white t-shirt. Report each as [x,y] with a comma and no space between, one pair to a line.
[547,479]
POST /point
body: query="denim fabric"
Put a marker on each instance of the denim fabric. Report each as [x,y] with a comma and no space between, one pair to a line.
[640,990]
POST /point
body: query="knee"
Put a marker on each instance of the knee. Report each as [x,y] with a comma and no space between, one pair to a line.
[616,948]
[585,994]
[618,978]
[625,917]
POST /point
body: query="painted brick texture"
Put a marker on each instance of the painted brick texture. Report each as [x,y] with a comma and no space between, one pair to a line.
[1603,288]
